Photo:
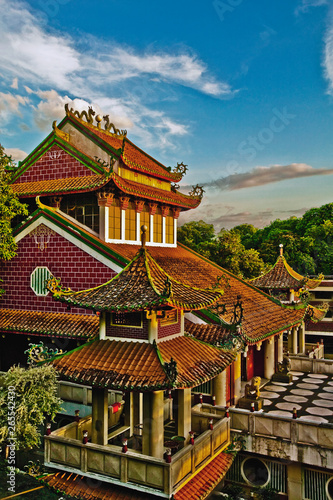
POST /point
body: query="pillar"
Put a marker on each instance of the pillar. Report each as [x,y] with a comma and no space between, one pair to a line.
[102,325]
[290,342]
[220,388]
[294,340]
[153,424]
[152,327]
[301,339]
[237,377]
[184,423]
[99,428]
[295,489]
[280,348]
[269,368]
[129,411]
[104,202]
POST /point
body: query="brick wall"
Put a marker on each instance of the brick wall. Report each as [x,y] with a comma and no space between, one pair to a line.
[54,164]
[127,332]
[77,270]
[165,331]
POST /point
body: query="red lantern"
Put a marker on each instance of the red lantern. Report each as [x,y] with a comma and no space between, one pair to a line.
[77,416]
[210,422]
[168,455]
[227,411]
[294,413]
[191,437]
[252,406]
[48,429]
[214,400]
[201,398]
[124,448]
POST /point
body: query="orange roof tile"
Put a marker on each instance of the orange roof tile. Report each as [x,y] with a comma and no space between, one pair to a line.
[134,157]
[49,324]
[141,285]
[129,365]
[282,276]
[78,486]
[263,316]
[209,333]
[203,483]
[171,197]
[60,186]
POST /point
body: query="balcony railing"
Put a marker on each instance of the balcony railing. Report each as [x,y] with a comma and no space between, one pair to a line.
[64,450]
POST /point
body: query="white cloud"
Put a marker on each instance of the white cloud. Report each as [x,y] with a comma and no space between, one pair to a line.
[17,154]
[328,56]
[11,104]
[14,84]
[305,5]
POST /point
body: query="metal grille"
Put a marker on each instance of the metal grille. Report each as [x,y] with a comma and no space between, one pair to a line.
[38,279]
[315,484]
[203,388]
[278,473]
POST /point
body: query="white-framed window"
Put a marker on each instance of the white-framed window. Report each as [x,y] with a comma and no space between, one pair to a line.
[38,279]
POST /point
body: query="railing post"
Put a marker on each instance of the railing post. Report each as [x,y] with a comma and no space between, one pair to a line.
[167,480]
[252,424]
[47,449]
[84,461]
[123,470]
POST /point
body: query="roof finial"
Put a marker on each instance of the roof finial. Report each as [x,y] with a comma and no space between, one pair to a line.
[143,236]
[281,249]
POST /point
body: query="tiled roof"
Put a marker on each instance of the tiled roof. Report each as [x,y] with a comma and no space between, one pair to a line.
[141,285]
[129,365]
[77,486]
[60,186]
[209,333]
[282,276]
[49,324]
[171,197]
[203,483]
[134,157]
[263,316]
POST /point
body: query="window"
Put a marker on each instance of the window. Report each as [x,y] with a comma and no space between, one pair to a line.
[38,279]
[170,318]
[255,472]
[127,319]
[130,222]
[169,229]
[158,226]
[115,220]
[145,220]
[83,208]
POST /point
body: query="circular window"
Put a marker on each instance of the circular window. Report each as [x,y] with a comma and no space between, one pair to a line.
[255,472]
[329,488]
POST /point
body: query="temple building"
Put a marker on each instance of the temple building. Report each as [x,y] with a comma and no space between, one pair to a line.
[156,340]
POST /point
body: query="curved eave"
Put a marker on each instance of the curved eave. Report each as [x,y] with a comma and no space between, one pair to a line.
[55,187]
[148,192]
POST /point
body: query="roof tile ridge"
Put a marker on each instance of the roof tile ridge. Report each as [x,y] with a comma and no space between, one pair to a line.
[59,356]
[147,256]
[92,127]
[213,264]
[268,272]
[294,274]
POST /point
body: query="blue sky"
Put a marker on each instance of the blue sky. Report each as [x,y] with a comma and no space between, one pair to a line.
[241,91]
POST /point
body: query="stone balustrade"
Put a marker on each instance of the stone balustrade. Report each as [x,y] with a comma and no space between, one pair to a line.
[283,437]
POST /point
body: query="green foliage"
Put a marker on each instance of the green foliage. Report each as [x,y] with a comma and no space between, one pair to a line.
[267,493]
[247,251]
[234,491]
[10,207]
[27,405]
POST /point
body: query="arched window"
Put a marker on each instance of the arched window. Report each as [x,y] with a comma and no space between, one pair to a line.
[158,226]
[255,472]
[115,220]
[145,220]
[169,230]
[130,222]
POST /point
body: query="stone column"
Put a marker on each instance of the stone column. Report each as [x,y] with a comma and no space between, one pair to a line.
[99,428]
[295,489]
[237,377]
[152,327]
[301,339]
[294,340]
[280,348]
[269,368]
[184,423]
[102,325]
[129,412]
[104,202]
[220,388]
[290,342]
[153,424]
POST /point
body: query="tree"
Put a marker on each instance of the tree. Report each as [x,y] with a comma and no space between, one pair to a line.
[10,207]
[196,234]
[27,396]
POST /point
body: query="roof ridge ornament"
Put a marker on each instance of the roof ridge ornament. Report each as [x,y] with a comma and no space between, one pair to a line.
[89,118]
[171,370]
[281,249]
[180,169]
[143,235]
[197,191]
[60,133]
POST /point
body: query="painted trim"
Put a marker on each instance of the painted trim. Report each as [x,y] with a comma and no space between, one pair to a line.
[163,231]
